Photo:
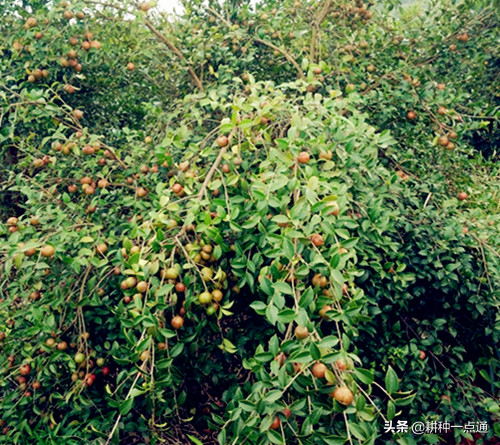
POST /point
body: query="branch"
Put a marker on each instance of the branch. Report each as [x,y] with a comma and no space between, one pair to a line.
[322,13]
[286,54]
[174,49]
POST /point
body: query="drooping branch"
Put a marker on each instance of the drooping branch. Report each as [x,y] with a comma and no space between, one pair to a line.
[285,53]
[318,20]
[176,51]
[160,37]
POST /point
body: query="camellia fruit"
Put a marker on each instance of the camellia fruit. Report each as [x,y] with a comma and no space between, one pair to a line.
[222,141]
[130,66]
[180,287]
[25,369]
[421,355]
[324,311]
[319,370]
[79,358]
[276,423]
[177,322]
[317,240]
[301,332]
[101,248]
[205,297]
[47,251]
[444,141]
[170,274]
[462,196]
[343,395]
[303,157]
[411,115]
[142,286]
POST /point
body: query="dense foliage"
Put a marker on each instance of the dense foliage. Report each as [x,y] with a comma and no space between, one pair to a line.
[237,226]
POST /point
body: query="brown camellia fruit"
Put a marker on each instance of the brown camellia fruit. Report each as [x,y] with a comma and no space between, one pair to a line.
[141,192]
[95,44]
[441,110]
[301,332]
[217,295]
[343,395]
[441,86]
[341,365]
[177,188]
[78,114]
[280,358]
[452,135]
[177,322]
[142,286]
[276,423]
[319,370]
[144,6]
[68,15]
[102,183]
[303,157]
[47,251]
[444,141]
[12,221]
[462,196]
[411,115]
[317,70]
[101,248]
[324,311]
[317,240]
[86,45]
[130,66]
[222,141]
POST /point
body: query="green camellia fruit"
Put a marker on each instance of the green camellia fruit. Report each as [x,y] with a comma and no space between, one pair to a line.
[205,297]
[79,357]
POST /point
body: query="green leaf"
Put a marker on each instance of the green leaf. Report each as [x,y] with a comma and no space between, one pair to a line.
[273,395]
[391,381]
[126,406]
[315,352]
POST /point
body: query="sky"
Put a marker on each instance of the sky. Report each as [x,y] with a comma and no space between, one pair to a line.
[168,5]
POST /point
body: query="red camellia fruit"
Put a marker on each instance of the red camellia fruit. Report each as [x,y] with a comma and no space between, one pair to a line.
[462,196]
[276,423]
[421,355]
[90,379]
[25,369]
[180,287]
[303,157]
[177,188]
[177,322]
[105,370]
[287,412]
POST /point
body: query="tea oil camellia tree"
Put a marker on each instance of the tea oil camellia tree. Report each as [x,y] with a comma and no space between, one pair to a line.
[248,224]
